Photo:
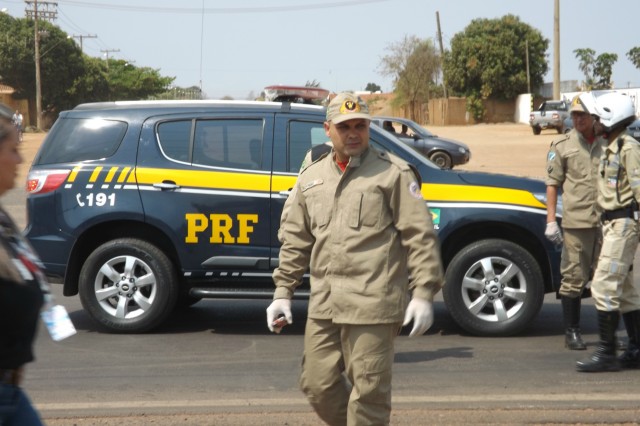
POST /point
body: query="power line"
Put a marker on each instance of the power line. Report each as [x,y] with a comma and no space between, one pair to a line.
[221,10]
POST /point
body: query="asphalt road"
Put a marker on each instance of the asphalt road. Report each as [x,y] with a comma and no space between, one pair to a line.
[217,364]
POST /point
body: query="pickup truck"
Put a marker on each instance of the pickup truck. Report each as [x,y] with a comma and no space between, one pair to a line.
[550,114]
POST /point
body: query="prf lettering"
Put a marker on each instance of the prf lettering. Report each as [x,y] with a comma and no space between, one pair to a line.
[222,226]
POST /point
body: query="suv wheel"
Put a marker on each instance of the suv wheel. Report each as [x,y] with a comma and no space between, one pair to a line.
[128,285]
[536,130]
[493,288]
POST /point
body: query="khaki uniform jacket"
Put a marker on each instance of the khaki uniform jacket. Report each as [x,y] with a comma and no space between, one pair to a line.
[619,168]
[572,164]
[366,236]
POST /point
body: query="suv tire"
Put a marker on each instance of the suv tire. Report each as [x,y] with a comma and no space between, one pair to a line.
[128,285]
[489,279]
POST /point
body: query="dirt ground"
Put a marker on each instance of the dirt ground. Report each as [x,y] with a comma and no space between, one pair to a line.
[498,148]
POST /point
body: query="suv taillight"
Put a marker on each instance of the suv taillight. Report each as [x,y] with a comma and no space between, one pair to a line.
[43,181]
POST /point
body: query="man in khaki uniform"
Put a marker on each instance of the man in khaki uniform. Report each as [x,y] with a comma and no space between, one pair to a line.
[613,287]
[572,164]
[358,221]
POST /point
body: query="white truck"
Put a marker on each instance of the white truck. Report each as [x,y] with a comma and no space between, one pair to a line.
[550,115]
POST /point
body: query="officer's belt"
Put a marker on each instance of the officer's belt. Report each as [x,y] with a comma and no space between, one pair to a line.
[620,213]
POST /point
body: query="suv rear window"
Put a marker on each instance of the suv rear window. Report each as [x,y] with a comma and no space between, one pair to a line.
[73,140]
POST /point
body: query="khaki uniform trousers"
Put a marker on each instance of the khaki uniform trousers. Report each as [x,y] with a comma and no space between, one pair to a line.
[613,288]
[579,254]
[365,354]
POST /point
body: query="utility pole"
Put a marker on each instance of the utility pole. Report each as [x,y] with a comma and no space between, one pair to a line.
[526,44]
[81,37]
[556,49]
[48,12]
[106,54]
[444,77]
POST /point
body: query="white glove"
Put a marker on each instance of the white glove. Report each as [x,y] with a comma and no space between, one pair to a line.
[275,309]
[553,234]
[421,312]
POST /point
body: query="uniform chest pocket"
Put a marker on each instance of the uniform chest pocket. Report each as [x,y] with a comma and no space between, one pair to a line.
[319,208]
[366,210]
[574,166]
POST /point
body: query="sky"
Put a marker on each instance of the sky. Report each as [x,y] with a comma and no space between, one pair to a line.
[237,47]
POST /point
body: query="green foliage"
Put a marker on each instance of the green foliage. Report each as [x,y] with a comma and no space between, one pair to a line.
[372,87]
[68,77]
[597,70]
[634,56]
[414,65]
[176,92]
[475,107]
[127,82]
[488,60]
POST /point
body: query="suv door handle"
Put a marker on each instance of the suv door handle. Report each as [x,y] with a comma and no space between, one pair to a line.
[167,185]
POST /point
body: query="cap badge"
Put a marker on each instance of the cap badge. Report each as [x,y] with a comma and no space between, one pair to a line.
[349,106]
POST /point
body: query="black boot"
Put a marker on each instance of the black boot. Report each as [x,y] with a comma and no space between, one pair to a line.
[604,358]
[571,315]
[630,358]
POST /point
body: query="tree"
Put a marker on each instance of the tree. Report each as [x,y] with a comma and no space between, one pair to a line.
[312,83]
[586,64]
[634,56]
[414,65]
[488,61]
[597,70]
[68,77]
[17,64]
[372,87]
[90,86]
[177,92]
[604,70]
[127,82]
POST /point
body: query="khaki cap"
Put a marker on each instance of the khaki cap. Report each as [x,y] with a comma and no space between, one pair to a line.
[347,106]
[576,105]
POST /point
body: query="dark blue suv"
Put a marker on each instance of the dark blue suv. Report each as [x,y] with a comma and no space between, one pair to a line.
[144,206]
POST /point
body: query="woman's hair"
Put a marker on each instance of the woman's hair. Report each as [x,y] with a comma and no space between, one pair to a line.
[5,128]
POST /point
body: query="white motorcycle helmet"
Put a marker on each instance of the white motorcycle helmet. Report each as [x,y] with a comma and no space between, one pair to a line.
[587,101]
[614,110]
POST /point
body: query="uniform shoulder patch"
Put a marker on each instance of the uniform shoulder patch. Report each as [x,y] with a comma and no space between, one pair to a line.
[414,190]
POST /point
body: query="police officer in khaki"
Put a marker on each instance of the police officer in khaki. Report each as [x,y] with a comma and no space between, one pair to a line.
[359,223]
[572,165]
[613,286]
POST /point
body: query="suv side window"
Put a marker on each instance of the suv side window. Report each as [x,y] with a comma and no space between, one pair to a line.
[73,140]
[228,143]
[174,139]
[302,136]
